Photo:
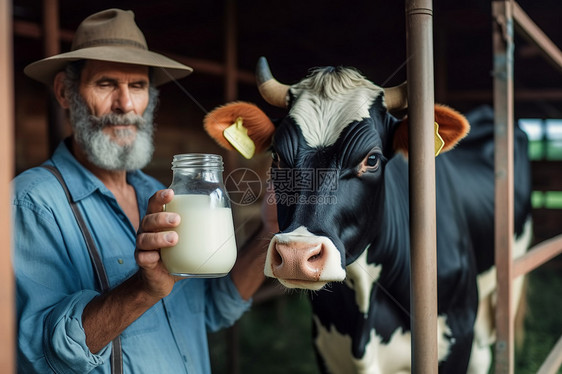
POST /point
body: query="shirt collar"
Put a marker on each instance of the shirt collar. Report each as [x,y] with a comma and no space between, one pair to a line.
[81,182]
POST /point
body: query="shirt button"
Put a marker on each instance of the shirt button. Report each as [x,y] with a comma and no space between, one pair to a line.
[120,261]
[184,358]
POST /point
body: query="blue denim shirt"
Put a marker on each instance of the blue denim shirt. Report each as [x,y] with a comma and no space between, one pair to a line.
[55,280]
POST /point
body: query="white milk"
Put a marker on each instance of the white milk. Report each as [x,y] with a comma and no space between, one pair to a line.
[206,245]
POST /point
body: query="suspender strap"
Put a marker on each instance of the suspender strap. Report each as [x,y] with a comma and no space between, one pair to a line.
[101,276]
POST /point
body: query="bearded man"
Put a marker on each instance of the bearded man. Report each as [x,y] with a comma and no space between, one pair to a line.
[142,320]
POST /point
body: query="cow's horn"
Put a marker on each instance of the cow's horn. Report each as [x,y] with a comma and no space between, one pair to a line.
[396,98]
[270,89]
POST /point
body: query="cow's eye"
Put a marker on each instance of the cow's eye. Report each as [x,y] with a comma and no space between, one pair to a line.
[373,160]
[370,164]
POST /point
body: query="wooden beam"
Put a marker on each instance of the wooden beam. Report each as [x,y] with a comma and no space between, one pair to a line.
[7,302]
[520,95]
[33,30]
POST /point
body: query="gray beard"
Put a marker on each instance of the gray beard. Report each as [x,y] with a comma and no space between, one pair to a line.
[99,148]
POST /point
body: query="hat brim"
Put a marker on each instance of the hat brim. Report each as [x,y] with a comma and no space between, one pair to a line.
[165,69]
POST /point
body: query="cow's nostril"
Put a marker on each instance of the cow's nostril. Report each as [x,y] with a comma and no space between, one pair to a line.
[316,257]
[276,258]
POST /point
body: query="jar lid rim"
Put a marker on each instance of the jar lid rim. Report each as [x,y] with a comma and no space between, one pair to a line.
[197,160]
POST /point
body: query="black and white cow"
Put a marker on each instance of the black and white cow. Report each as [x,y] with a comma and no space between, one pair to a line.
[340,174]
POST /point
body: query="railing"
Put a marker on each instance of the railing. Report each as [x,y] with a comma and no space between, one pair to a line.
[506,15]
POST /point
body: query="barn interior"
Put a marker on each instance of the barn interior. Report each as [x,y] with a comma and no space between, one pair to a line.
[223,39]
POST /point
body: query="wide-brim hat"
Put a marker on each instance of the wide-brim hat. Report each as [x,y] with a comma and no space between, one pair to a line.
[110,35]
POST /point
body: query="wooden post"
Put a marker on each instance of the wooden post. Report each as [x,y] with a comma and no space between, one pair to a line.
[51,46]
[423,240]
[7,304]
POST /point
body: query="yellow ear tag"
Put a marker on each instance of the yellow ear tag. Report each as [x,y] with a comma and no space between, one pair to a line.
[439,143]
[237,135]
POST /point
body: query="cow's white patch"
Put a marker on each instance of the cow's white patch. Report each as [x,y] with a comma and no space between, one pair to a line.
[332,271]
[361,277]
[379,358]
[326,106]
[484,328]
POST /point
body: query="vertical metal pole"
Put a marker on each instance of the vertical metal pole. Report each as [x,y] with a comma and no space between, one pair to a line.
[419,34]
[7,301]
[503,139]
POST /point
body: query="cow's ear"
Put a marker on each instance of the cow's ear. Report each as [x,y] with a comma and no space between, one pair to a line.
[453,126]
[259,127]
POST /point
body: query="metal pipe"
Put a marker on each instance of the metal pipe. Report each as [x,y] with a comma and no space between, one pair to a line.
[419,34]
[537,256]
[7,299]
[504,195]
[528,29]
[553,360]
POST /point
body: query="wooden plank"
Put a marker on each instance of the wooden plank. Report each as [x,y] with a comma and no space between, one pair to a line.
[7,302]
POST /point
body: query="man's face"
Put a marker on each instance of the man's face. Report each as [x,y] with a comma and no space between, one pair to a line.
[111,111]
[109,87]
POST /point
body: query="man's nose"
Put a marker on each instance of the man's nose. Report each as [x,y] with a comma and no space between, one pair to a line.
[122,102]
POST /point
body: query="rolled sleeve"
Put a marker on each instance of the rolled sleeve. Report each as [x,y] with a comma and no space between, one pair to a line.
[225,303]
[64,338]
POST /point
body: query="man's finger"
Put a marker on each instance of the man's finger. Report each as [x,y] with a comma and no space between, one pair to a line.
[155,240]
[158,200]
[162,221]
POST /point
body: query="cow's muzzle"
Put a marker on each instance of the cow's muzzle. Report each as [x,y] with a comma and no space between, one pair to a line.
[302,260]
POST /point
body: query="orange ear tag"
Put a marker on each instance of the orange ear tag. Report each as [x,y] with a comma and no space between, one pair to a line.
[439,143]
[237,135]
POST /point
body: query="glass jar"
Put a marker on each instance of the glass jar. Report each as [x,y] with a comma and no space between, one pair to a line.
[206,246]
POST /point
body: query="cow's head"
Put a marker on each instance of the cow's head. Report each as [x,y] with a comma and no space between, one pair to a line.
[329,157]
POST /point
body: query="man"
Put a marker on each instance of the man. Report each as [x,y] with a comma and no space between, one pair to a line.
[65,324]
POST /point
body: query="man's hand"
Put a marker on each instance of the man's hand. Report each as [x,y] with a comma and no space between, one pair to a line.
[155,233]
[107,315]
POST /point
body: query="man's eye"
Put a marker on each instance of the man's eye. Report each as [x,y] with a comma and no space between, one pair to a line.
[139,86]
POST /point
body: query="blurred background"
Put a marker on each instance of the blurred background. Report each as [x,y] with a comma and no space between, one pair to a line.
[222,40]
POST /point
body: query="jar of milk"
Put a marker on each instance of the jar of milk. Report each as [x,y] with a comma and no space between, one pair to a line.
[206,247]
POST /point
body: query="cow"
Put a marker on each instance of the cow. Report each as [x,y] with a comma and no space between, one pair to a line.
[340,177]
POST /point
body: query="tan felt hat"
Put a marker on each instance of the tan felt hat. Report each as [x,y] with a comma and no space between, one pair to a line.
[110,35]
